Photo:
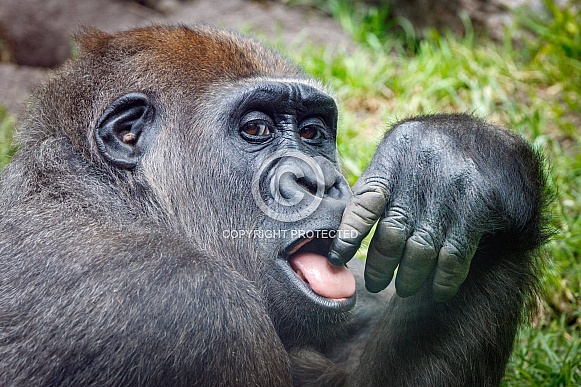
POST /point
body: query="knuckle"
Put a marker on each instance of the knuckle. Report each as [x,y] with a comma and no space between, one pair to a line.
[449,265]
[371,185]
[454,249]
[393,233]
[389,245]
[424,240]
[365,208]
[393,230]
[397,217]
[453,265]
[418,262]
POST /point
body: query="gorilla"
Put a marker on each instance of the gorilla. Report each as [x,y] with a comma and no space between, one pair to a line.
[176,215]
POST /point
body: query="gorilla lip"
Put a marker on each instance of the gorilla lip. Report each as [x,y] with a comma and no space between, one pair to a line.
[306,264]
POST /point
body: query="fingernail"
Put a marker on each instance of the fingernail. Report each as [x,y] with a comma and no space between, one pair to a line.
[334,259]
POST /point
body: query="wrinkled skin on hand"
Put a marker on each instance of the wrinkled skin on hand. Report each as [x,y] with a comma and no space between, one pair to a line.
[432,193]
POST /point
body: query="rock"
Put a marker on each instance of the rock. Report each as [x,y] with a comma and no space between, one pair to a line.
[38,31]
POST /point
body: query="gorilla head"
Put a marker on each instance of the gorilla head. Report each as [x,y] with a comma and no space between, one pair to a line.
[219,140]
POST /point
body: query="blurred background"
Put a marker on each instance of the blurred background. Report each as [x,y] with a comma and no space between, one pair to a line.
[516,63]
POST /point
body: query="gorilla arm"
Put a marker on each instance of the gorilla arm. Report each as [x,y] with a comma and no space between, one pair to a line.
[459,205]
[98,305]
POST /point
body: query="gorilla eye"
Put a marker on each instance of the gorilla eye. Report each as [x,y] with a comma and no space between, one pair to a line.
[310,132]
[313,131]
[257,130]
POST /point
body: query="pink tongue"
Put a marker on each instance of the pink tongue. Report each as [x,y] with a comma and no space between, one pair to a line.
[325,279]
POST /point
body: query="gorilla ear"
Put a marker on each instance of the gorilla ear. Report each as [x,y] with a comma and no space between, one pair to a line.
[125,130]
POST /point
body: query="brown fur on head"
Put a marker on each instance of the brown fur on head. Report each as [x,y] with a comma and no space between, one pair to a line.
[201,55]
[176,63]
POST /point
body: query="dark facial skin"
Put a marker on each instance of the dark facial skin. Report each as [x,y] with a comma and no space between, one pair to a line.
[176,203]
[286,132]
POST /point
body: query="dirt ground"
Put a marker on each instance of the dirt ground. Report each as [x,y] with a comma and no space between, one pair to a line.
[42,30]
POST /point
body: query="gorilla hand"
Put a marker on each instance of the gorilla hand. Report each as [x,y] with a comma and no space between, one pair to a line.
[435,193]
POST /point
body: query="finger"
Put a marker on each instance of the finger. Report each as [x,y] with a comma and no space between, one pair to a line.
[364,209]
[385,250]
[421,250]
[453,264]
[417,263]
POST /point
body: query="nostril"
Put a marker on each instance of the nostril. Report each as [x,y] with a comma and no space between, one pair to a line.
[340,189]
[308,185]
[283,184]
[335,191]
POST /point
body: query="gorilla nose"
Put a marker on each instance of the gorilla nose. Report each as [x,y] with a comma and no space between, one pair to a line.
[299,179]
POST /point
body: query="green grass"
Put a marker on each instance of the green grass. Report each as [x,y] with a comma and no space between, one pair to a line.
[532,86]
[6,129]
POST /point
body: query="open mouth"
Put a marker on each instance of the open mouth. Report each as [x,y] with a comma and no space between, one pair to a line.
[306,265]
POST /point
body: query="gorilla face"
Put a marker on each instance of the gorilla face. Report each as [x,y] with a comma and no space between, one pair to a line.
[285,135]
